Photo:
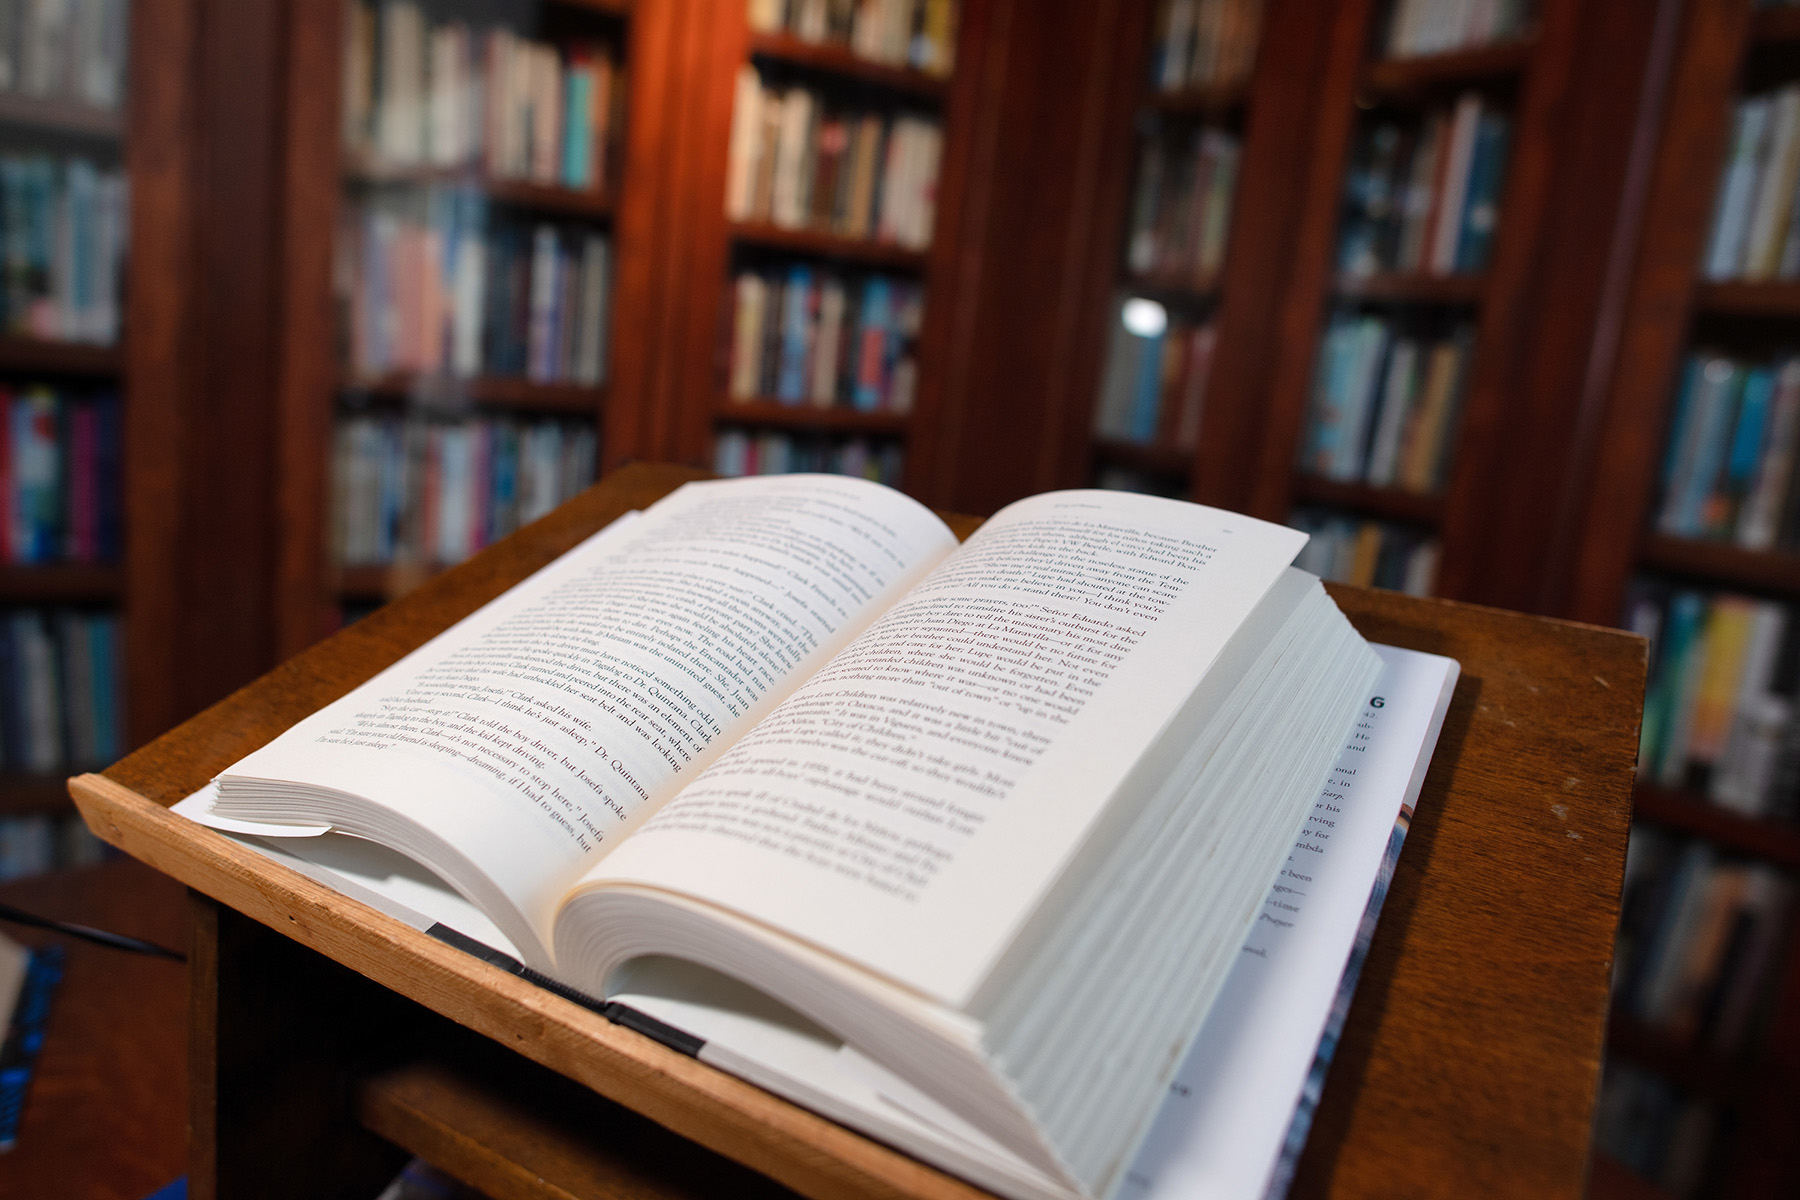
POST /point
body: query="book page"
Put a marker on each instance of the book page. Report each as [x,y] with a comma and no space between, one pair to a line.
[530,737]
[907,806]
[1232,1107]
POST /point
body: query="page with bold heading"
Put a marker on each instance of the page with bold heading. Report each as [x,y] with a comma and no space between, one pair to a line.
[534,734]
[906,807]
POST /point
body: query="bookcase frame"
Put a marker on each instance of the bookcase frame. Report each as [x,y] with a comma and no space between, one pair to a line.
[1663,300]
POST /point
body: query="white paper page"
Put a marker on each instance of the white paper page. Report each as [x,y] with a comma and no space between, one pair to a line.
[533,735]
[1221,1130]
[908,806]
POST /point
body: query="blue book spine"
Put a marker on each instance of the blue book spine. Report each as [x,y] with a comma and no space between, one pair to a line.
[103,657]
[1746,445]
[1719,406]
[1678,428]
[797,299]
[109,480]
[1147,392]
[18,1056]
[1481,209]
[578,136]
[13,750]
[877,308]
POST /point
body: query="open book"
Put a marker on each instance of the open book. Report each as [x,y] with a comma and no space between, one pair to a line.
[996,818]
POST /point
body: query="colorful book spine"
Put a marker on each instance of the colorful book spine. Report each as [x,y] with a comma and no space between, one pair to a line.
[920,34]
[1203,43]
[744,452]
[1367,553]
[1422,27]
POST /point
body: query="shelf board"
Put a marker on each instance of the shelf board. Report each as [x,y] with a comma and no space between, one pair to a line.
[1141,456]
[495,391]
[62,116]
[829,245]
[806,417]
[380,583]
[1404,78]
[1776,842]
[22,793]
[612,8]
[1772,572]
[1414,286]
[520,193]
[1734,299]
[839,60]
[1391,503]
[1771,26]
[59,358]
[1609,1179]
[1177,287]
[1697,1068]
[61,583]
[1207,100]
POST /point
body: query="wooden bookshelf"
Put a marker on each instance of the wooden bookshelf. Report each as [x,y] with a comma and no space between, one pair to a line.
[1413,287]
[813,243]
[61,116]
[1611,1180]
[587,204]
[1172,287]
[1695,1067]
[1408,79]
[61,583]
[1216,101]
[775,414]
[1734,299]
[45,357]
[1772,841]
[1387,503]
[1148,457]
[22,794]
[491,391]
[1722,564]
[842,64]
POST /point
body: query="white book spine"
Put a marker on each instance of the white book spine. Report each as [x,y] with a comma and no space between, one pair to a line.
[1738,190]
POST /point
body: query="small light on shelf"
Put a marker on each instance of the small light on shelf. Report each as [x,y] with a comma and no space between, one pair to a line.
[1145,318]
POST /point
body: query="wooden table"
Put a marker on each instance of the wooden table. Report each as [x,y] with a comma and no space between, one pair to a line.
[327,1034]
[106,1117]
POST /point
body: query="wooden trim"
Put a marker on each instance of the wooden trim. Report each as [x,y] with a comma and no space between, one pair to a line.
[841,61]
[1773,26]
[1780,299]
[1139,456]
[158,363]
[808,417]
[24,794]
[1214,100]
[1693,1067]
[1615,503]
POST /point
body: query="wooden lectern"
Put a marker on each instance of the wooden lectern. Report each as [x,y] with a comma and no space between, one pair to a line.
[330,1040]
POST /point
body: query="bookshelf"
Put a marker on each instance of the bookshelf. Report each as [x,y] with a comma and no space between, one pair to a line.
[1686,298]
[428,405]
[68,140]
[791,254]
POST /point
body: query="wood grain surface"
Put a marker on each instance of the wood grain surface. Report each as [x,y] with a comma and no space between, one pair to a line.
[106,1117]
[1472,1052]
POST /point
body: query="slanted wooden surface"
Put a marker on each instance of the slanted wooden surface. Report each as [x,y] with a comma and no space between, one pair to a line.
[1472,1053]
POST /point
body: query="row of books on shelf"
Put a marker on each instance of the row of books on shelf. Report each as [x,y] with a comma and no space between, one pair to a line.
[1202,43]
[920,34]
[798,161]
[70,50]
[1728,473]
[61,702]
[1699,942]
[1181,210]
[412,490]
[60,476]
[1153,391]
[63,227]
[1719,709]
[1755,231]
[37,843]
[440,282]
[447,94]
[802,335]
[1367,553]
[746,452]
[1385,402]
[1420,27]
[1423,194]
[1658,1131]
